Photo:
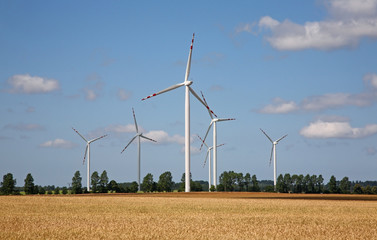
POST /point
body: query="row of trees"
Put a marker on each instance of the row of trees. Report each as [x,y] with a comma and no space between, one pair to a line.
[228,181]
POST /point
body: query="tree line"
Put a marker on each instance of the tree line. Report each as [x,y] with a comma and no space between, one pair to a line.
[228,181]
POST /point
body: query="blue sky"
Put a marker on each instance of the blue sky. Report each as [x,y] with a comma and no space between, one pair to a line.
[302,68]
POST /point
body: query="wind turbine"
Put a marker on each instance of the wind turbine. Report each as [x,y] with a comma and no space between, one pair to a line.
[214,121]
[87,150]
[188,89]
[138,136]
[273,152]
[209,149]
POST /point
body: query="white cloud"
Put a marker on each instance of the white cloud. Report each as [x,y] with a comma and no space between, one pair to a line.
[279,106]
[32,85]
[58,143]
[123,94]
[129,128]
[349,23]
[163,137]
[93,91]
[245,27]
[326,101]
[24,127]
[371,80]
[322,129]
[90,94]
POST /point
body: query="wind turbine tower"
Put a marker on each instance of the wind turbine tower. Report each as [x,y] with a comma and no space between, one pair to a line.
[273,152]
[188,89]
[87,151]
[138,136]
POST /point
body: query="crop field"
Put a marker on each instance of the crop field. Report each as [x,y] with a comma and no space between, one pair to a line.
[189,216]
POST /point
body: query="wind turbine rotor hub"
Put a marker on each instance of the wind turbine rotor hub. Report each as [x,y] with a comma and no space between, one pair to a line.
[188,83]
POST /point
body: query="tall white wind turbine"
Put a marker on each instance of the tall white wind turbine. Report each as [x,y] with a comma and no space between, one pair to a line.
[209,149]
[87,151]
[138,136]
[188,89]
[273,152]
[214,121]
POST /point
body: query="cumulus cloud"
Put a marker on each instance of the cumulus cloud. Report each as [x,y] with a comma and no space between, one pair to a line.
[326,101]
[123,94]
[336,129]
[32,84]
[24,127]
[279,106]
[349,22]
[58,143]
[129,128]
[245,27]
[163,137]
[94,89]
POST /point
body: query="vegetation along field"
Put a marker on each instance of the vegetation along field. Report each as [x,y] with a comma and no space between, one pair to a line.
[189,216]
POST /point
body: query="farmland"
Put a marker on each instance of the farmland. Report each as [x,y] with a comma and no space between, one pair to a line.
[189,216]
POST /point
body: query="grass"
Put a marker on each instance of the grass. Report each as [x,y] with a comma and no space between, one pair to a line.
[187,216]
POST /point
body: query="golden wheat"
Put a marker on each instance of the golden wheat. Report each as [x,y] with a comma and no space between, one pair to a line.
[169,217]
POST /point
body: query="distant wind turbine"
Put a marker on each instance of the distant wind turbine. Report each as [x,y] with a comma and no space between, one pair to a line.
[138,136]
[273,152]
[87,150]
[214,121]
[209,149]
[188,89]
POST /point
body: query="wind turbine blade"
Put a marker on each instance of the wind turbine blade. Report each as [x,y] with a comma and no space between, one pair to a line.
[202,141]
[86,150]
[97,138]
[189,59]
[80,135]
[281,138]
[165,90]
[225,119]
[266,135]
[220,145]
[129,143]
[137,129]
[209,111]
[206,135]
[206,158]
[150,139]
[200,100]
[272,150]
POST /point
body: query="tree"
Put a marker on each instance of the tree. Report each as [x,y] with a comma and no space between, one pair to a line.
[95,181]
[113,186]
[165,182]
[320,183]
[29,184]
[134,187]
[76,183]
[255,187]
[103,182]
[8,184]
[333,188]
[280,184]
[65,190]
[247,180]
[148,185]
[345,185]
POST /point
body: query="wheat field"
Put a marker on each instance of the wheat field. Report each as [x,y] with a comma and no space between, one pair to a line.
[185,216]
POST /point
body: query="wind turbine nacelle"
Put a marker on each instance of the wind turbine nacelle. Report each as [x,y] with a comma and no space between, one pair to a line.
[188,83]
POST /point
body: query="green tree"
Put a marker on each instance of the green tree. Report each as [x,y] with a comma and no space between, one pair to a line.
[41,190]
[104,180]
[165,182]
[255,187]
[280,184]
[57,190]
[333,188]
[345,185]
[320,183]
[8,184]
[95,181]
[134,187]
[248,181]
[64,190]
[148,184]
[29,184]
[113,186]
[76,183]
